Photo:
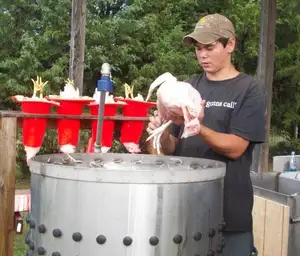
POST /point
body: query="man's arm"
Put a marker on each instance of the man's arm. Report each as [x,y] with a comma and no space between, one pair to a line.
[229,145]
[247,124]
[168,143]
[168,140]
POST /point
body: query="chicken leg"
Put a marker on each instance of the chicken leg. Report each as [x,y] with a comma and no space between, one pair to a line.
[159,130]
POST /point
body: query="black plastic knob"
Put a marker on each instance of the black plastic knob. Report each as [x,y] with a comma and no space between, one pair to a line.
[28,219]
[29,253]
[211,232]
[77,237]
[177,239]
[56,254]
[127,240]
[154,240]
[197,236]
[31,245]
[41,251]
[31,224]
[101,239]
[211,253]
[42,229]
[57,233]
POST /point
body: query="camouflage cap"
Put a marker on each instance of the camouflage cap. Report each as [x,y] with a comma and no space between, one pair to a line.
[209,29]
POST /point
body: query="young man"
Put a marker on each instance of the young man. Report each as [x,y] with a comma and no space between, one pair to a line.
[233,122]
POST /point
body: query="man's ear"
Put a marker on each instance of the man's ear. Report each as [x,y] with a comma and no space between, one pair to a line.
[231,45]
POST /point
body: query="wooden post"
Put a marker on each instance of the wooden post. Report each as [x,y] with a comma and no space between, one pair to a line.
[265,76]
[77,45]
[8,134]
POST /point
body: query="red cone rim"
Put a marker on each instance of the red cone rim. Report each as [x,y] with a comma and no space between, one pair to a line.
[27,99]
[131,101]
[92,104]
[79,100]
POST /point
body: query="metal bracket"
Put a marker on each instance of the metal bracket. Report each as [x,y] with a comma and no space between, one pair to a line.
[294,220]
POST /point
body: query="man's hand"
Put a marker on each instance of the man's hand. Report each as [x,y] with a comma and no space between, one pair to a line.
[201,116]
[178,120]
[155,122]
[167,141]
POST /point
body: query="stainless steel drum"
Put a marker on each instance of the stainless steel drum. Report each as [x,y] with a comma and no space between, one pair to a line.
[122,204]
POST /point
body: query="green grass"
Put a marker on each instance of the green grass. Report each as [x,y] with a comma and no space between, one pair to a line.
[20,248]
[25,184]
[22,181]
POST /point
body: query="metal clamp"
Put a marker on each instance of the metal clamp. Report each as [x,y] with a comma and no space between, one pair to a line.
[294,220]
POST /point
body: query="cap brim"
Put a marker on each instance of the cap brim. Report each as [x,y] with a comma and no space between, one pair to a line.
[202,38]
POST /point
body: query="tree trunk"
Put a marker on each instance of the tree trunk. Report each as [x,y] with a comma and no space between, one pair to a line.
[296,130]
[77,43]
[265,76]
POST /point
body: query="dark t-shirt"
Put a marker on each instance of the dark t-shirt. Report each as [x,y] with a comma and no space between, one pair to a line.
[235,106]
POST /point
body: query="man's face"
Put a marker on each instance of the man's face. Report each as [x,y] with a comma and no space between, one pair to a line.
[213,57]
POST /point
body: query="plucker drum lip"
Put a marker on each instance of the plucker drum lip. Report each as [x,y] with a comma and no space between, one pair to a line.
[131,131]
[110,109]
[68,129]
[34,129]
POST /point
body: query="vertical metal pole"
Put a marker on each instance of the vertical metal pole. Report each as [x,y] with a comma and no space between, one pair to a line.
[104,85]
[97,146]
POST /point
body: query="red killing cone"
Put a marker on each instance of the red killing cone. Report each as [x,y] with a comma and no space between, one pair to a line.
[90,146]
[68,129]
[34,128]
[131,131]
[108,127]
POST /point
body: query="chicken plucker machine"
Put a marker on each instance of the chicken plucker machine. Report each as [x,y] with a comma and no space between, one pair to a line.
[125,204]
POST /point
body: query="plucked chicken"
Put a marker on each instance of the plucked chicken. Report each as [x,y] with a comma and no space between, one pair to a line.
[175,98]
